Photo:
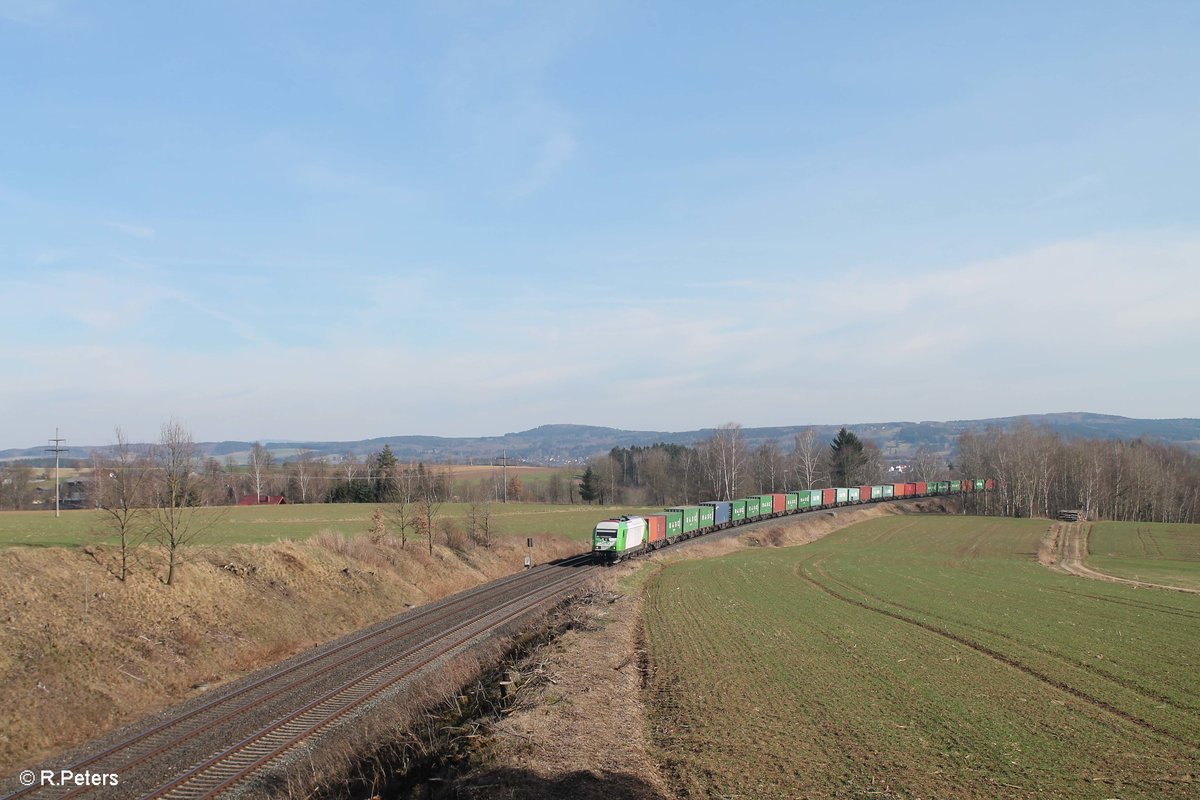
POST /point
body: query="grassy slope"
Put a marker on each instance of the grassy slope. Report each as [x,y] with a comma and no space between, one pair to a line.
[845,667]
[81,652]
[1154,552]
[256,525]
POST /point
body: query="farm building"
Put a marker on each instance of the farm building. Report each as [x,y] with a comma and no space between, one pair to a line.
[262,500]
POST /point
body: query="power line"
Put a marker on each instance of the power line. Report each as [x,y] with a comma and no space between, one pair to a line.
[57,449]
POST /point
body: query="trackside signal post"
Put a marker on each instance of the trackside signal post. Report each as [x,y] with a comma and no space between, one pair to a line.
[529,556]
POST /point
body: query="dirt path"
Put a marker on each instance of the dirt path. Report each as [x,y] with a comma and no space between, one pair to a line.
[1070,540]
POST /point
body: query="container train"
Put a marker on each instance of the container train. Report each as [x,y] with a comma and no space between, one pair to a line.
[622,537]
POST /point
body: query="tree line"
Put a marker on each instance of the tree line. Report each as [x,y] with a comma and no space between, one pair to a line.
[723,467]
[1041,472]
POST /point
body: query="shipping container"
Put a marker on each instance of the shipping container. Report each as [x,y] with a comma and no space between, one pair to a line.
[842,494]
[922,487]
[956,486]
[691,517]
[751,508]
[989,484]
[864,493]
[853,494]
[816,498]
[828,497]
[888,491]
[877,492]
[979,484]
[910,489]
[721,512]
[706,516]
[778,502]
[656,528]
[674,524]
[791,501]
[803,499]
[737,511]
[765,508]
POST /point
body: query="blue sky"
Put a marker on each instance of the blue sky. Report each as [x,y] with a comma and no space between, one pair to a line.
[345,220]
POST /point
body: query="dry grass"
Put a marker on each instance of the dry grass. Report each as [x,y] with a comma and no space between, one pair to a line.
[82,653]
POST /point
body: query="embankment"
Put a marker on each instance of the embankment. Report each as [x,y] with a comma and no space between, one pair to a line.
[82,653]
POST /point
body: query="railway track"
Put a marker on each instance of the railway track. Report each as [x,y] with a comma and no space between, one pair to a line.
[219,741]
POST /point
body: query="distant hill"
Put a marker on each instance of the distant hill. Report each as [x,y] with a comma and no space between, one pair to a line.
[566,444]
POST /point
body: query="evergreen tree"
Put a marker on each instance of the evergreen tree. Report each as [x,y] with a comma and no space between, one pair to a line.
[846,459]
[385,467]
[588,488]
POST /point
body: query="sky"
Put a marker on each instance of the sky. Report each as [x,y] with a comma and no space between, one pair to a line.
[333,221]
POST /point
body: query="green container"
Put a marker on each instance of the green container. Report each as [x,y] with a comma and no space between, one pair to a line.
[791,501]
[855,494]
[802,499]
[751,507]
[737,510]
[707,514]
[814,498]
[956,486]
[674,523]
[766,504]
[877,492]
[979,484]
[843,495]
[691,517]
[888,491]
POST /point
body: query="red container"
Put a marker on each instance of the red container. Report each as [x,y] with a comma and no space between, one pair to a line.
[656,528]
[968,485]
[864,494]
[910,490]
[828,497]
[990,484]
[778,503]
[921,487]
[899,489]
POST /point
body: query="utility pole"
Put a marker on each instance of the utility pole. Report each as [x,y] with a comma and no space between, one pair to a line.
[504,463]
[57,449]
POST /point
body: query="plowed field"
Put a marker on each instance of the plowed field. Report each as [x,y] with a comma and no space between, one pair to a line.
[920,657]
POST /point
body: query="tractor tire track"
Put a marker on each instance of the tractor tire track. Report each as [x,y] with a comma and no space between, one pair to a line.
[995,655]
[1065,660]
[1073,543]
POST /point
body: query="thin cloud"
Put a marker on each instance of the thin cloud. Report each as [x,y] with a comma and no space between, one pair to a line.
[143,232]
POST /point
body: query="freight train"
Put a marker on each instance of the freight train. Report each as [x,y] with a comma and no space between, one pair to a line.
[622,537]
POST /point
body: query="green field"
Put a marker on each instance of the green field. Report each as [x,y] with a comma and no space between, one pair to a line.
[259,524]
[1147,551]
[920,657]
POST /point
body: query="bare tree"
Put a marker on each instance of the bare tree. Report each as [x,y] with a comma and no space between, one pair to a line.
[404,510]
[15,485]
[927,465]
[479,520]
[120,491]
[807,455]
[260,461]
[176,521]
[723,455]
[430,496]
[304,470]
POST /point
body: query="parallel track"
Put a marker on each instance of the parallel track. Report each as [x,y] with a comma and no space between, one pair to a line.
[345,675]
